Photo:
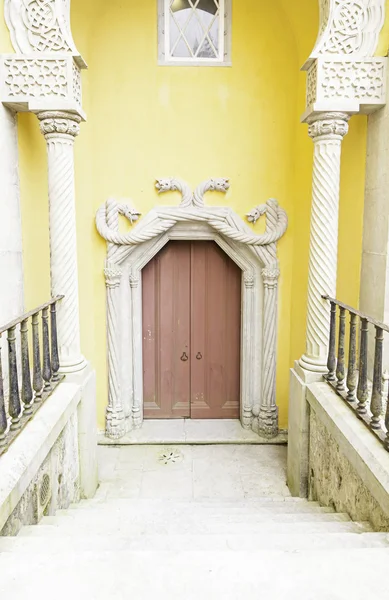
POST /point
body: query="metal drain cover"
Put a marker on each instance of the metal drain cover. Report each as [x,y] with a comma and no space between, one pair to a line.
[170,456]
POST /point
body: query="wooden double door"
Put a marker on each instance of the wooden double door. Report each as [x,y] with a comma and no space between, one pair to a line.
[191,333]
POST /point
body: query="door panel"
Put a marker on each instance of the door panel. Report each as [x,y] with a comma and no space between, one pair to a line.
[215,328]
[192,311]
[166,333]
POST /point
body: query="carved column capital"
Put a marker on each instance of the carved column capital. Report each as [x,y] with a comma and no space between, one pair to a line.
[113,276]
[270,276]
[330,125]
[249,280]
[134,280]
[58,123]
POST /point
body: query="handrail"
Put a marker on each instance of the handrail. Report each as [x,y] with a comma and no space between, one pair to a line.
[29,314]
[28,388]
[352,383]
[360,314]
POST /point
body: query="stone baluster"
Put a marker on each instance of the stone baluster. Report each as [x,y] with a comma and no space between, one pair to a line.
[3,416]
[60,130]
[376,398]
[115,418]
[352,373]
[327,131]
[15,407]
[54,342]
[340,367]
[362,389]
[331,362]
[37,380]
[27,393]
[46,370]
[268,411]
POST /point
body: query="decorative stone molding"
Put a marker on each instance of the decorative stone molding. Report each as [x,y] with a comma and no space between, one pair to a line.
[31,83]
[350,85]
[60,130]
[45,72]
[255,255]
[41,26]
[349,27]
[189,198]
[342,73]
[113,276]
[327,132]
[55,125]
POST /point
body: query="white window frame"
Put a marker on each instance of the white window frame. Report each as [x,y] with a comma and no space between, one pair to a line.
[164,58]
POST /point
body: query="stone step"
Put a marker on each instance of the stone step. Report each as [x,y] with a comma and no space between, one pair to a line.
[314,574]
[117,519]
[197,508]
[181,543]
[69,527]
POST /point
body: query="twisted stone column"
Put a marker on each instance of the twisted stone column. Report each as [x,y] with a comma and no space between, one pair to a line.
[115,418]
[327,131]
[268,411]
[60,130]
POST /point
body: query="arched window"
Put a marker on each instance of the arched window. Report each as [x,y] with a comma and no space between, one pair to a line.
[194,32]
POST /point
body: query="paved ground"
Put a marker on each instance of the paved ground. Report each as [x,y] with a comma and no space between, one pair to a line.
[192,472]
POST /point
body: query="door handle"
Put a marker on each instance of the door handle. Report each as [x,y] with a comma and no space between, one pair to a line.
[199,356]
[184,357]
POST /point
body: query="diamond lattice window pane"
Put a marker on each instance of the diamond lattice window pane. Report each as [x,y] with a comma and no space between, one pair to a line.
[194,27]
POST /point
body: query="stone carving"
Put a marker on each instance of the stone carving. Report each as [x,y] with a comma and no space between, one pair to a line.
[361,83]
[256,213]
[268,411]
[349,27]
[27,80]
[190,198]
[156,226]
[115,419]
[327,132]
[60,130]
[40,26]
[54,125]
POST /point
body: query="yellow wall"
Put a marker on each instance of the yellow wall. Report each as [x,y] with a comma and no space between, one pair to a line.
[146,121]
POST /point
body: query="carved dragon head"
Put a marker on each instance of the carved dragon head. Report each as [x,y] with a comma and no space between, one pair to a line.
[219,185]
[256,213]
[165,185]
[130,213]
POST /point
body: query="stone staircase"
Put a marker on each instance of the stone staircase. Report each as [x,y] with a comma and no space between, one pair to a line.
[118,546]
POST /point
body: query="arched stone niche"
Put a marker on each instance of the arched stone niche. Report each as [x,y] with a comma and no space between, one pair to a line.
[129,253]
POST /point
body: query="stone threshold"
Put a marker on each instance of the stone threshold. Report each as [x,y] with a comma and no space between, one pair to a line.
[192,431]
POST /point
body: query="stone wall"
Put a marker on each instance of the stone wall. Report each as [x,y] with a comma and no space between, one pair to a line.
[334,482]
[60,470]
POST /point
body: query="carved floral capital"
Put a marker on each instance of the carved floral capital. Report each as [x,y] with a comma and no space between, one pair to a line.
[329,125]
[113,276]
[270,276]
[59,123]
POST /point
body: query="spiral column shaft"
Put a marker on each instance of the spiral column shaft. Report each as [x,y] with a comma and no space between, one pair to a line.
[60,130]
[327,131]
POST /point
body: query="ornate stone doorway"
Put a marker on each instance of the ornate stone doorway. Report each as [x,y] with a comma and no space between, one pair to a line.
[191,310]
[256,257]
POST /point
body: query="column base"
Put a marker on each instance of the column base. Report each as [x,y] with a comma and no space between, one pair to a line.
[310,364]
[72,365]
[115,423]
[268,421]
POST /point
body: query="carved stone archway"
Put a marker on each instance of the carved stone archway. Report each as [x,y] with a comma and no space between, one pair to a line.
[256,256]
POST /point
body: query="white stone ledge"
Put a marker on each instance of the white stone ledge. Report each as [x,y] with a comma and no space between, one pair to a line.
[361,448]
[20,464]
